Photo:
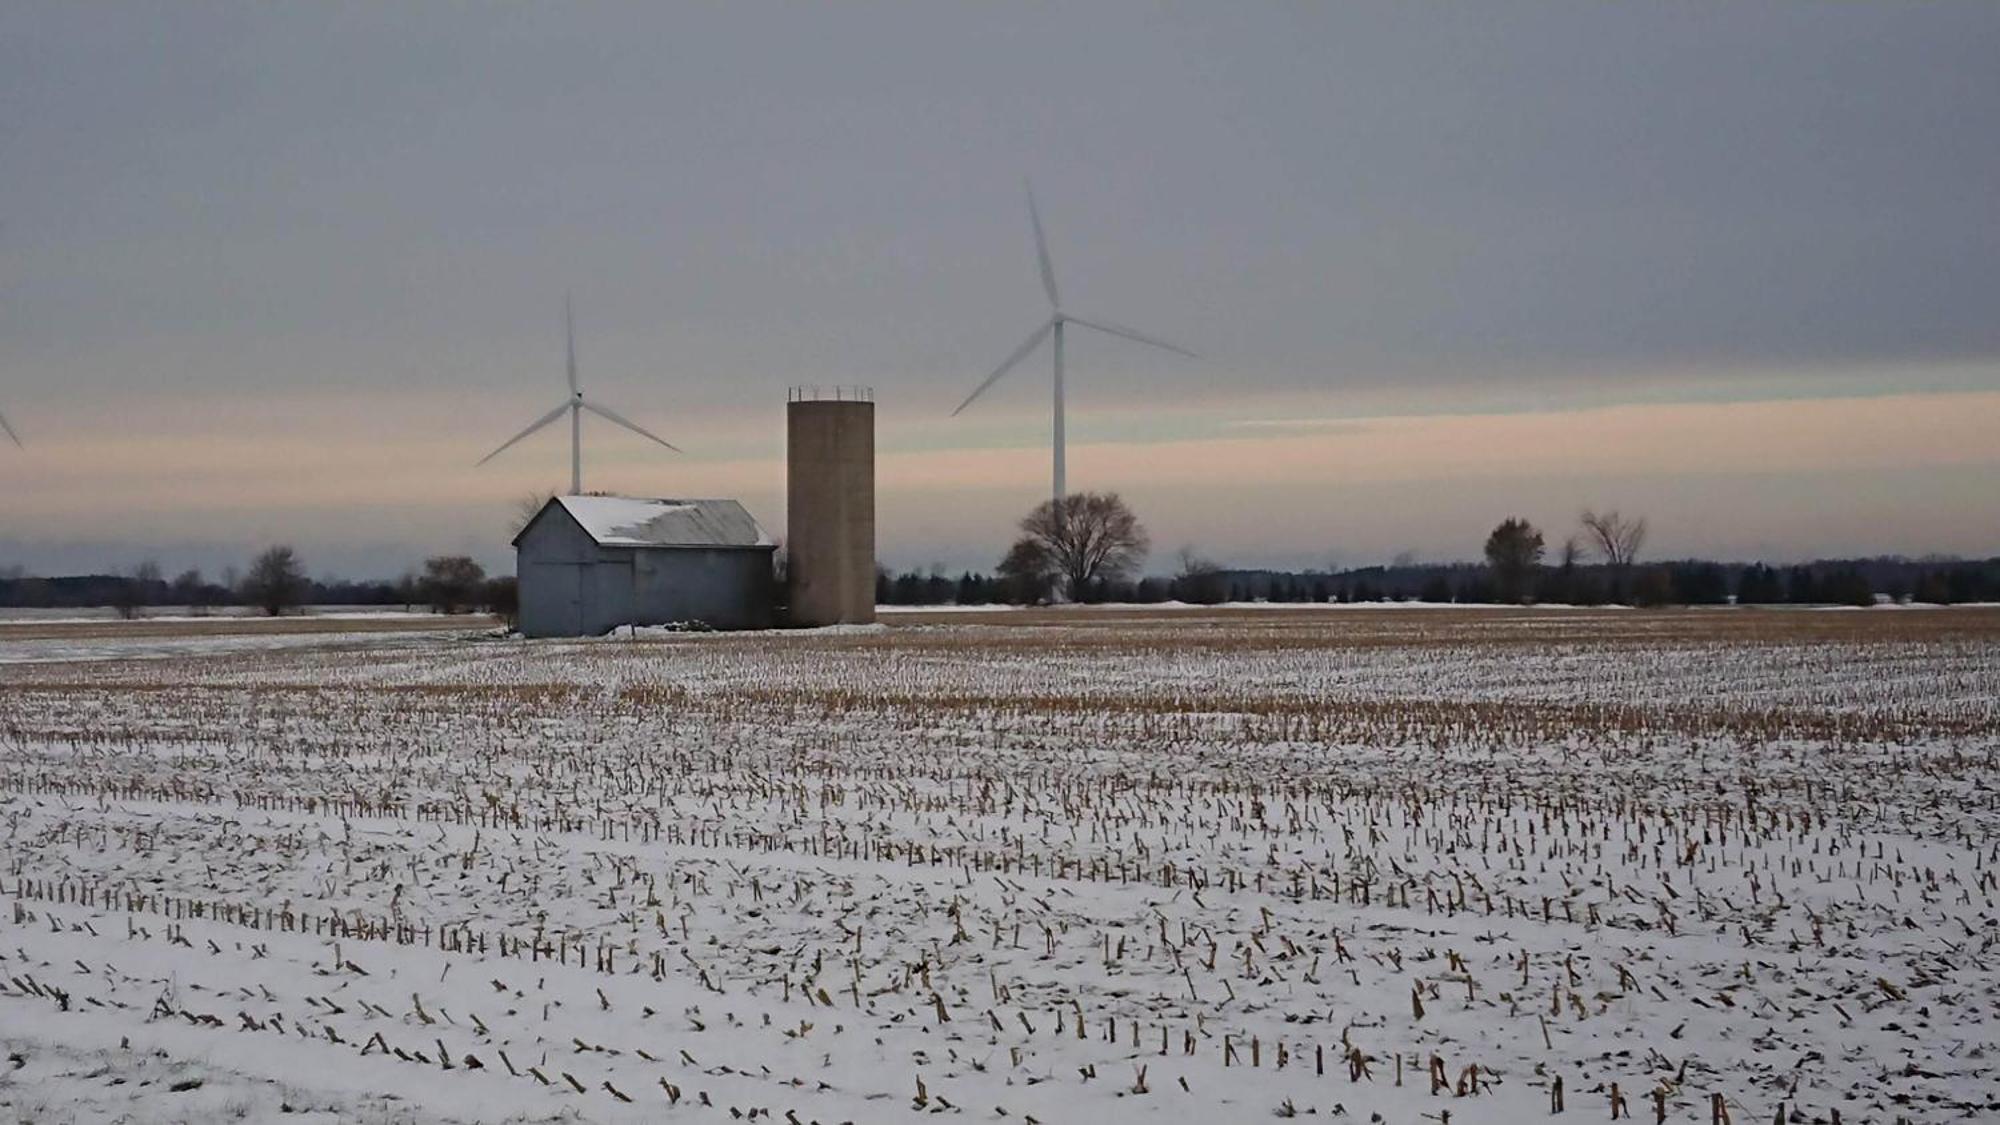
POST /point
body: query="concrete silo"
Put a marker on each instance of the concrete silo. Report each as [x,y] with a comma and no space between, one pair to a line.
[830,505]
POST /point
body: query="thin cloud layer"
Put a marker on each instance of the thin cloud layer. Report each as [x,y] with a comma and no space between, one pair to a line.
[214,218]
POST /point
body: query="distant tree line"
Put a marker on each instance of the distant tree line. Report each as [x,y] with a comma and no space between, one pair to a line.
[1087,546]
[1682,582]
[1600,565]
[275,583]
[935,587]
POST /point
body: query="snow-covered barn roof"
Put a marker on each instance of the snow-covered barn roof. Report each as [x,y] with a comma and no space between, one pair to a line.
[630,521]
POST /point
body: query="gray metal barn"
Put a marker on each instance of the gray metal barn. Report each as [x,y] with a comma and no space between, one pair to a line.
[588,564]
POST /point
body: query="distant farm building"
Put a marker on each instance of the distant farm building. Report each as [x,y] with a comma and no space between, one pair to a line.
[588,564]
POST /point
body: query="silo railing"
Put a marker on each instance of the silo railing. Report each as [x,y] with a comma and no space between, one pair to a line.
[838,392]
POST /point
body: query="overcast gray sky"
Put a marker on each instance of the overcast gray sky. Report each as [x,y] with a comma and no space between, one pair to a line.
[287,271]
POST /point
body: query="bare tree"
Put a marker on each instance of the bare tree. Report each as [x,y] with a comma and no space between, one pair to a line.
[1089,537]
[191,590]
[1513,550]
[502,597]
[276,582]
[1616,540]
[1199,580]
[1564,585]
[525,511]
[453,583]
[1027,574]
[137,590]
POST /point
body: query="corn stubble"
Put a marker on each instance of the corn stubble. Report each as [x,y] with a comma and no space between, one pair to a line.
[1451,866]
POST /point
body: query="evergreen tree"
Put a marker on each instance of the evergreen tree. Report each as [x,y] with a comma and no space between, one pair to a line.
[1847,586]
[1760,585]
[1802,586]
[1699,584]
[1513,552]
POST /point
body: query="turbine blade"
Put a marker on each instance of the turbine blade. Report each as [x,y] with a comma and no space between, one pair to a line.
[1019,354]
[569,338]
[610,415]
[10,431]
[1114,330]
[1042,252]
[538,424]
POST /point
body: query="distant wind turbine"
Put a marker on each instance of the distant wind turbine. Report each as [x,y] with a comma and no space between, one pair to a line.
[576,404]
[1054,327]
[10,431]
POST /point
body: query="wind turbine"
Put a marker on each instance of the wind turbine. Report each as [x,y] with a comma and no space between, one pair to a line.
[576,404]
[1053,327]
[10,431]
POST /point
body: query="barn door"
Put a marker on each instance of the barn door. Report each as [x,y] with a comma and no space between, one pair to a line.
[569,586]
[557,609]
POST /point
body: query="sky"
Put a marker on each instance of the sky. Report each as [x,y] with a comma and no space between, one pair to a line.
[287,272]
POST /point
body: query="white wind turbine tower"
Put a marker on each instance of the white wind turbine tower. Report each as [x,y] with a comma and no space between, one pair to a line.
[1058,319]
[576,404]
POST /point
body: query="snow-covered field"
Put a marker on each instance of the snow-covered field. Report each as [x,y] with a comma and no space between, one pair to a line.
[1186,867]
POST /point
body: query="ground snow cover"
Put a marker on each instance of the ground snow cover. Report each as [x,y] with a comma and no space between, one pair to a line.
[1189,867]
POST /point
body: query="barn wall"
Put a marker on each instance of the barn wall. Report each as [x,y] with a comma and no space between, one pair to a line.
[550,560]
[549,599]
[607,592]
[724,588]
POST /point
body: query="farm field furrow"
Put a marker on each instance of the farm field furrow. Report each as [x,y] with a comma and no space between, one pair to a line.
[1185,867]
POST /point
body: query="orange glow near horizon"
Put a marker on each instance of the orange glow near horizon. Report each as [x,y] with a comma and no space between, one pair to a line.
[288,472]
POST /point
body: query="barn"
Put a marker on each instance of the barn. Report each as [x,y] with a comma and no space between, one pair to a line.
[588,564]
